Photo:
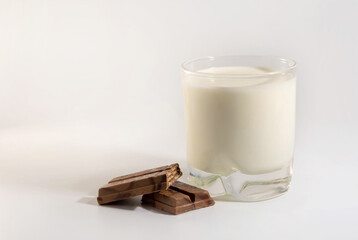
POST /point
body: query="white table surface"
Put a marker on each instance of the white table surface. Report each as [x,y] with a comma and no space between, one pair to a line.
[49,180]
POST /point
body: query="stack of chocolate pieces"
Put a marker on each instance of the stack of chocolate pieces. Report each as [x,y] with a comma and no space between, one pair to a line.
[159,187]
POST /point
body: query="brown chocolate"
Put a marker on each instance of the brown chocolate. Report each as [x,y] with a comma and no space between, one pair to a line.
[139,183]
[179,198]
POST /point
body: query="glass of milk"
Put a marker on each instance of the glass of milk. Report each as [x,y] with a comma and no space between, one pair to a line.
[240,125]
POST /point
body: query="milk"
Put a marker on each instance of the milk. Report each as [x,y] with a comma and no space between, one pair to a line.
[244,125]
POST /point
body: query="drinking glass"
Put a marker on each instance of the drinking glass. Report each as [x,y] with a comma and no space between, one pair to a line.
[240,125]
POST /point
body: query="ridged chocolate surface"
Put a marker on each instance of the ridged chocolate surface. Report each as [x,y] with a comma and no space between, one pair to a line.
[179,198]
[144,182]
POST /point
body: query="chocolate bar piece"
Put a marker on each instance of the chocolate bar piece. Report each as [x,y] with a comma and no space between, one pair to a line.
[139,183]
[179,198]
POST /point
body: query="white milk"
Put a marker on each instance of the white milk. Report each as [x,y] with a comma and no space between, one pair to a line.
[244,125]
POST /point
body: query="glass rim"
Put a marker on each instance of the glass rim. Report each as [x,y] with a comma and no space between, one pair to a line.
[291,64]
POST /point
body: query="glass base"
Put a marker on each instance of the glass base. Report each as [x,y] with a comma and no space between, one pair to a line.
[243,187]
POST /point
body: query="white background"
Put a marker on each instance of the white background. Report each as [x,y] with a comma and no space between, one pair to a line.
[90,90]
